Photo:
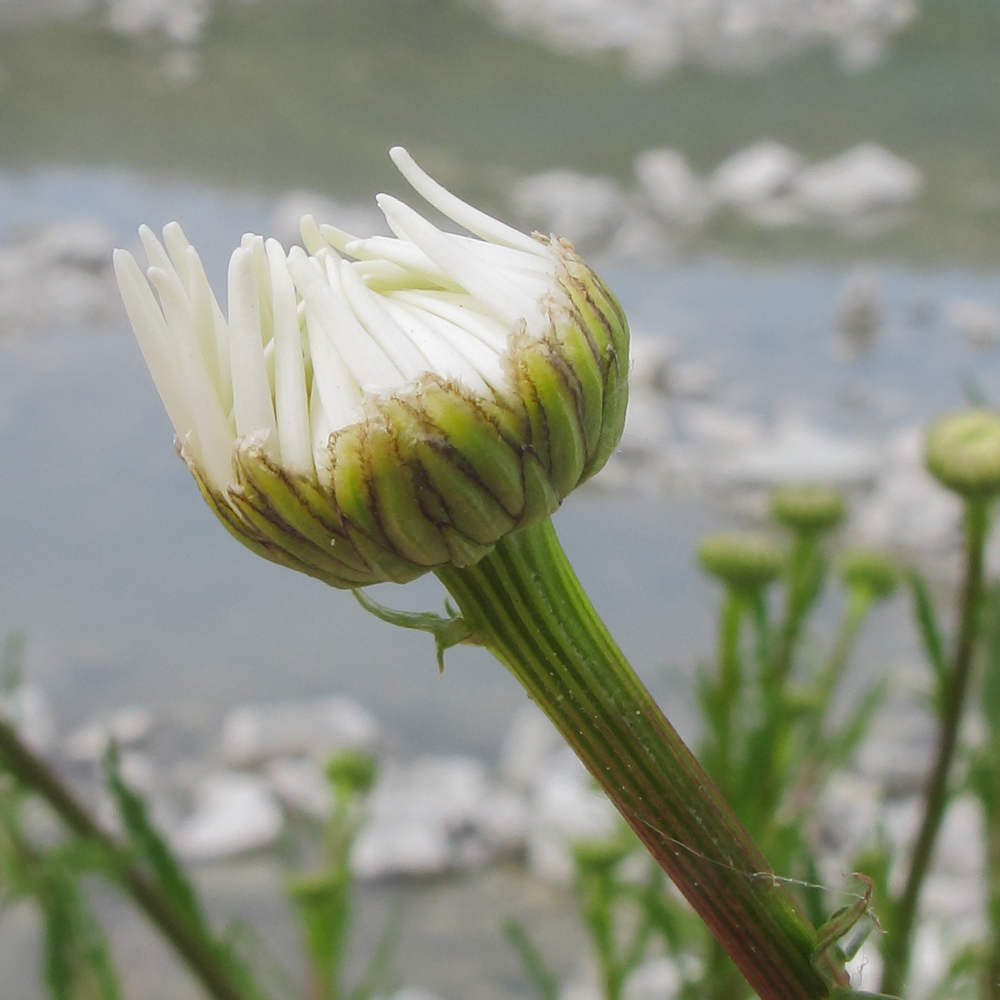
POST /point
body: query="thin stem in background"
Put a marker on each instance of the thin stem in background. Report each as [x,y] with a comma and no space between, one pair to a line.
[904,910]
[197,953]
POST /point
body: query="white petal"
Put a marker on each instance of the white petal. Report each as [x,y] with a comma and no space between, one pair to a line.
[213,330]
[214,437]
[251,391]
[290,401]
[442,357]
[312,238]
[367,307]
[339,395]
[154,340]
[472,352]
[403,253]
[365,360]
[454,208]
[461,310]
[495,289]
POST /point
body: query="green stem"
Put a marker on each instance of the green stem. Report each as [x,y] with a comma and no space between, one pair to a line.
[804,575]
[719,755]
[197,953]
[859,602]
[936,791]
[526,605]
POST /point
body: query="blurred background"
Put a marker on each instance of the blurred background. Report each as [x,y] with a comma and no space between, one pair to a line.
[797,202]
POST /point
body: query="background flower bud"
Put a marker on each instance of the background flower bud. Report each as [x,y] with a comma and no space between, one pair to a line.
[741,560]
[962,451]
[872,571]
[807,509]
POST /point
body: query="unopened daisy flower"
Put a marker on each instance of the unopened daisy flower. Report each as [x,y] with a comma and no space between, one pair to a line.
[369,409]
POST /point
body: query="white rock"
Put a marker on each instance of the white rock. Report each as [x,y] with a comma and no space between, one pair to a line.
[234,813]
[253,733]
[654,979]
[720,429]
[531,739]
[961,850]
[863,179]
[801,453]
[125,726]
[977,322]
[647,425]
[301,785]
[898,750]
[847,815]
[566,807]
[755,175]
[582,208]
[435,815]
[650,358]
[859,315]
[672,188]
[182,21]
[692,379]
[28,708]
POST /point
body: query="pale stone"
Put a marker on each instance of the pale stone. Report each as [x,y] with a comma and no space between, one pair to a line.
[865,178]
[583,209]
[234,813]
[672,188]
[755,175]
[253,733]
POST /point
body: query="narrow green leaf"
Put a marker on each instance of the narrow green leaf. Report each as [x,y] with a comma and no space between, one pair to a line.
[543,978]
[927,626]
[150,847]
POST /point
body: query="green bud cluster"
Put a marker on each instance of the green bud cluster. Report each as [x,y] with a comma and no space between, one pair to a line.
[807,509]
[743,561]
[869,570]
[962,451]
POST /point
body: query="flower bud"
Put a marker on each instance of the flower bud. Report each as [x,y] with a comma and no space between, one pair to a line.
[872,571]
[379,407]
[352,772]
[962,451]
[743,561]
[807,509]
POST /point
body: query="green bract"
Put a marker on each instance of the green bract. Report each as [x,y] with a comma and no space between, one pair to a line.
[962,452]
[375,408]
[741,560]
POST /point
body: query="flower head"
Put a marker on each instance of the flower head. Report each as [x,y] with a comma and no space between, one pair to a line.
[374,408]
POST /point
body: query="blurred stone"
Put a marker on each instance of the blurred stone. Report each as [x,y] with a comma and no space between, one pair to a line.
[720,429]
[57,273]
[654,979]
[301,784]
[566,807]
[435,815]
[125,726]
[692,379]
[755,175]
[647,426]
[865,178]
[898,749]
[253,733]
[859,316]
[650,359]
[581,208]
[234,813]
[531,739]
[181,21]
[799,452]
[977,322]
[673,189]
